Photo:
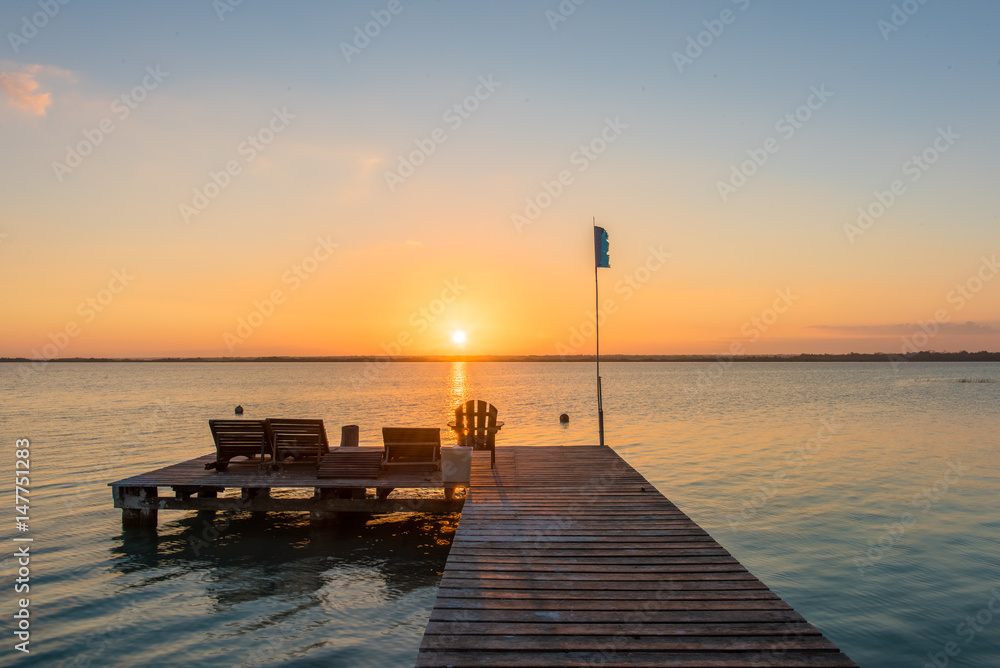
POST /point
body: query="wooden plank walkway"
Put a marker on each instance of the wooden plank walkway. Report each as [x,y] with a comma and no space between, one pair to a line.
[566,556]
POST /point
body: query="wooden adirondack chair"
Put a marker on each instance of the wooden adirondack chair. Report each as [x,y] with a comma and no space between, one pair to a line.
[235,438]
[476,425]
[296,438]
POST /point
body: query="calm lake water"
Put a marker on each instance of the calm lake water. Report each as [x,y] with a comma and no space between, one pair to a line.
[866,495]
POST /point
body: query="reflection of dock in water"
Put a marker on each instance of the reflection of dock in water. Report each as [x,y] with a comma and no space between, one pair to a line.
[566,556]
[245,558]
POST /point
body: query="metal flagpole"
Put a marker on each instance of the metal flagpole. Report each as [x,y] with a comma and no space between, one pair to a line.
[597,326]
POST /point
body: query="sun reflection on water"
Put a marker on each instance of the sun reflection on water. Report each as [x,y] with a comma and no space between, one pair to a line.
[458,381]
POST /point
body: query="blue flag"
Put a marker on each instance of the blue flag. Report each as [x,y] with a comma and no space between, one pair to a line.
[601,247]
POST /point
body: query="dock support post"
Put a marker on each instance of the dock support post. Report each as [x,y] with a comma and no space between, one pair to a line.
[250,494]
[319,518]
[138,517]
[208,493]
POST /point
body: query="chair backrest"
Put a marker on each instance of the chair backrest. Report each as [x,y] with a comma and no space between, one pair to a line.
[298,436]
[412,443]
[238,434]
[476,421]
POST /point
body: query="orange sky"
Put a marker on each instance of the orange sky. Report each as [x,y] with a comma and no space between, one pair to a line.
[243,182]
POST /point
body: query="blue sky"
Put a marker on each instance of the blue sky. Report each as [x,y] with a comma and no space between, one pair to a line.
[558,85]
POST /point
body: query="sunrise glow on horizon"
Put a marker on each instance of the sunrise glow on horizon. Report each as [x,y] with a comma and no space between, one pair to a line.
[397,178]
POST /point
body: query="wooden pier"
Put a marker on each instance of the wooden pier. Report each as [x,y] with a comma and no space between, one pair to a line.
[191,487]
[566,556]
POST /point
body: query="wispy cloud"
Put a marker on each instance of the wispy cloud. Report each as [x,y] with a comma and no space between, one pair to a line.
[904,329]
[20,83]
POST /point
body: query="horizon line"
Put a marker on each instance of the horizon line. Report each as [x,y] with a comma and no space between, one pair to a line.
[930,356]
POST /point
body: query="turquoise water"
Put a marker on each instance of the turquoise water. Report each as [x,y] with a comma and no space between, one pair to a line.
[863,494]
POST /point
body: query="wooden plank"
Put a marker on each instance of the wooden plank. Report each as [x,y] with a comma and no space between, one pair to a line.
[615,654]
[546,637]
[644,596]
[510,618]
[351,462]
[472,578]
[589,571]
[608,603]
[505,560]
[560,585]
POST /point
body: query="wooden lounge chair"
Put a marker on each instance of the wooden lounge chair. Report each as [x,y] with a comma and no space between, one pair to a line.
[237,438]
[417,447]
[351,462]
[296,438]
[476,426]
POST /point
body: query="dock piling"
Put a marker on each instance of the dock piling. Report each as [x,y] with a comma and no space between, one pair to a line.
[138,506]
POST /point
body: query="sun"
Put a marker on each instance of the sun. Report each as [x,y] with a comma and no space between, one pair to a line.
[458,337]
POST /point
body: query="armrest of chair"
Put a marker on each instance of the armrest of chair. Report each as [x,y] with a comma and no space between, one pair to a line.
[455,426]
[493,430]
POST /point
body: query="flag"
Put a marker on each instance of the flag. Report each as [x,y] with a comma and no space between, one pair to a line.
[601,247]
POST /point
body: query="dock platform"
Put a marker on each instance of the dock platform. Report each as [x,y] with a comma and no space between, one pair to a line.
[191,487]
[566,556]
